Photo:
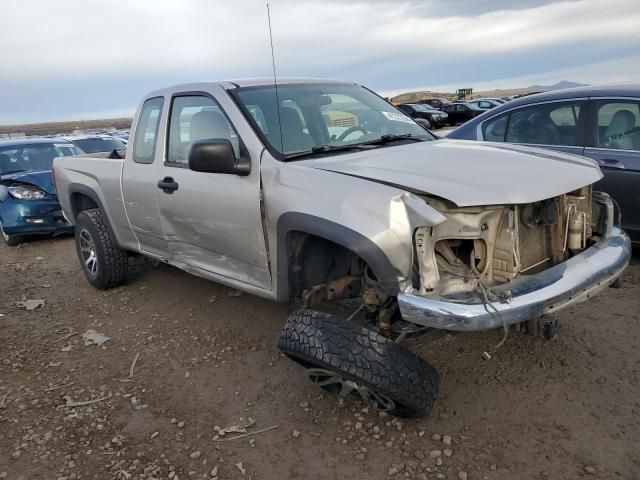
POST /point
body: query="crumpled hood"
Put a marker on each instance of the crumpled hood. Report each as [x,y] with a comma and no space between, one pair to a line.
[469,173]
[41,179]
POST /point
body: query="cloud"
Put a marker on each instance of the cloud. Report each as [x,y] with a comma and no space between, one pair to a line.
[75,57]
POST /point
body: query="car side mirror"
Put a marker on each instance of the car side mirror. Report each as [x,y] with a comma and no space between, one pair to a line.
[216,156]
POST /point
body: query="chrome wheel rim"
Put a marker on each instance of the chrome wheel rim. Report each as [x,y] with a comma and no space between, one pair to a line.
[346,389]
[88,252]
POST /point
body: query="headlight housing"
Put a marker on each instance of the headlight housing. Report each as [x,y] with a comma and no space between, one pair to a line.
[27,193]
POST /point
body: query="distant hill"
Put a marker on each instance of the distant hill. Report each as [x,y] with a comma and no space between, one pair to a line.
[410,97]
[58,128]
[562,84]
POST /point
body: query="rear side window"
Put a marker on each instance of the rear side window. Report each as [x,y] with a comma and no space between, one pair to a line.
[494,130]
[146,134]
[543,124]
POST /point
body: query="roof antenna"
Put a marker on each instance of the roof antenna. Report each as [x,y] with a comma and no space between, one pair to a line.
[275,78]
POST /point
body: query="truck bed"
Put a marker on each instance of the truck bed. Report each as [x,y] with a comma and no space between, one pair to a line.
[94,178]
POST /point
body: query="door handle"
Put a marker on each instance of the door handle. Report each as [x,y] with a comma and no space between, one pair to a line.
[168,185]
[610,163]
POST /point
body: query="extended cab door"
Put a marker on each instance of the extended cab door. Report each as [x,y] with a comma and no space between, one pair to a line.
[614,142]
[212,221]
[139,178]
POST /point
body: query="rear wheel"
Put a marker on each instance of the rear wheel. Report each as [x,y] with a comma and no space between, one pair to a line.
[103,262]
[357,364]
[11,240]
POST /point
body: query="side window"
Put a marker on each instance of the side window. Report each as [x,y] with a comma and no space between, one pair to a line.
[146,133]
[618,124]
[545,124]
[193,118]
[494,130]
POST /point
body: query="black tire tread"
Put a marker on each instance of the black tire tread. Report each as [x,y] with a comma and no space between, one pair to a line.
[114,265]
[326,341]
[13,240]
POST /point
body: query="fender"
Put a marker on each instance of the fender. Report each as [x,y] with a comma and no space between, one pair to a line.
[78,188]
[339,234]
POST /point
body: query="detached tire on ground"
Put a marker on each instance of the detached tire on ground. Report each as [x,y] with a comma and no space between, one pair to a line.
[103,262]
[359,364]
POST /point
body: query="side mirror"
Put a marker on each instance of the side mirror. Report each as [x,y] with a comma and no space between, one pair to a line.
[216,156]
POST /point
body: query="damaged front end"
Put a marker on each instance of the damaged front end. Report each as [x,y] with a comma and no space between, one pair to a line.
[487,267]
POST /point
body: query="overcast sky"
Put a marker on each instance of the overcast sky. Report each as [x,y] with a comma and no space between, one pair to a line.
[74,59]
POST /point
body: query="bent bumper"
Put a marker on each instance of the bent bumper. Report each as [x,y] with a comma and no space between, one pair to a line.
[572,281]
[32,217]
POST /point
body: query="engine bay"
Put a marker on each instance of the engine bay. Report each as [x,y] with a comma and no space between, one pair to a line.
[482,247]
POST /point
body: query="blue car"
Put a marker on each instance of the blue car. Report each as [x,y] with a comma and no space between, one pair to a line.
[28,201]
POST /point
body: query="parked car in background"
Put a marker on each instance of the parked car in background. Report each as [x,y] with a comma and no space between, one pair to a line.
[484,104]
[260,192]
[461,112]
[436,118]
[123,137]
[437,103]
[602,123]
[28,200]
[493,99]
[97,143]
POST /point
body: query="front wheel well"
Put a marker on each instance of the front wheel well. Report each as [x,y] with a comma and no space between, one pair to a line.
[315,262]
[81,202]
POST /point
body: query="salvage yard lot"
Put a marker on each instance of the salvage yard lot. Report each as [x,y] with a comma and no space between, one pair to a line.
[208,360]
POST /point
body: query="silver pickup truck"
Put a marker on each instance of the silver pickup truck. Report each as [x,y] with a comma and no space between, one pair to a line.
[313,191]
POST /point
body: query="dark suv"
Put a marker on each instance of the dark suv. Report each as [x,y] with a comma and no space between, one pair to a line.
[437,103]
[436,118]
[602,123]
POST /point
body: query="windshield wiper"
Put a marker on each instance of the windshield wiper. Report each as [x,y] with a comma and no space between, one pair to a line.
[323,149]
[392,137]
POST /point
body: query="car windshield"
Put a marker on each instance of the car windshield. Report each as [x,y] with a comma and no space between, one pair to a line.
[34,157]
[99,144]
[306,118]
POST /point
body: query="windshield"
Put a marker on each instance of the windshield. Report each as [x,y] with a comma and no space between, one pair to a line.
[323,116]
[25,158]
[99,144]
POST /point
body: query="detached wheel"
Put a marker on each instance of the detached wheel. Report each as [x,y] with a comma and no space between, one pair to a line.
[103,262]
[10,240]
[360,365]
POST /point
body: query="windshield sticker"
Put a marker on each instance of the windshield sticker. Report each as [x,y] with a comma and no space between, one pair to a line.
[397,117]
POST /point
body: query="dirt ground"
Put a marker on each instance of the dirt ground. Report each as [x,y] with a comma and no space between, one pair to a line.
[207,359]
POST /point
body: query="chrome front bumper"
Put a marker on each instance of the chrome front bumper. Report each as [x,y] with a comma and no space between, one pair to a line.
[572,281]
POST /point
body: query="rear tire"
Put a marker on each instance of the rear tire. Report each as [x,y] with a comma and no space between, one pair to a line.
[103,262]
[359,364]
[10,240]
